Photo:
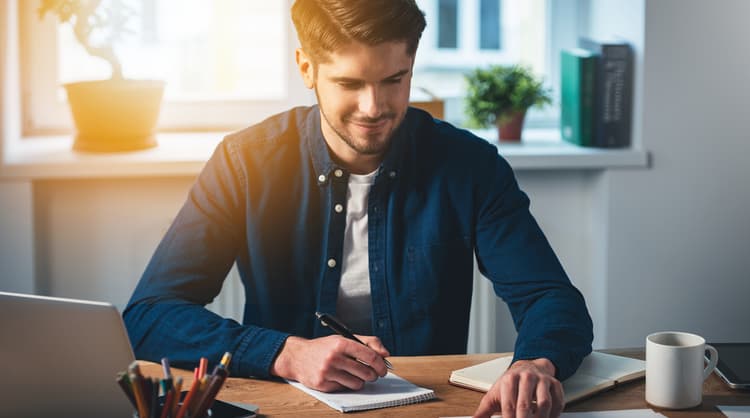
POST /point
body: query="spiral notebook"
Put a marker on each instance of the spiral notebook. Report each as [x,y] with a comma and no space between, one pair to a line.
[385,392]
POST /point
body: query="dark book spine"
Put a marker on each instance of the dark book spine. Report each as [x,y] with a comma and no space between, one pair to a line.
[614,96]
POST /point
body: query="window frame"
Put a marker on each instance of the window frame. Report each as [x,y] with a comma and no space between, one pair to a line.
[468,39]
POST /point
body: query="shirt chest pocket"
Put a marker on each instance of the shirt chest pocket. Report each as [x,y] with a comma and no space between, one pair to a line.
[440,277]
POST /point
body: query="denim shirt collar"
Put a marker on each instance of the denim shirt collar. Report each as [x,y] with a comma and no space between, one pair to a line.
[321,155]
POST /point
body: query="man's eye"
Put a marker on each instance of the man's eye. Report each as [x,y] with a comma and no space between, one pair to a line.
[349,85]
[393,81]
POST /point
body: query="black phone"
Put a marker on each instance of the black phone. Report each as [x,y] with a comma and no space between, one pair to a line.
[734,364]
[221,409]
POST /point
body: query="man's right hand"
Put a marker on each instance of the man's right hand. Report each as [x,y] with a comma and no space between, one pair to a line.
[332,363]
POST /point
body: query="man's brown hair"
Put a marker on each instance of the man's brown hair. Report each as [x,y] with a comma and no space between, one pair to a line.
[325,25]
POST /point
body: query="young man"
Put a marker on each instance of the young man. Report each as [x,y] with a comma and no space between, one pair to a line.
[366,208]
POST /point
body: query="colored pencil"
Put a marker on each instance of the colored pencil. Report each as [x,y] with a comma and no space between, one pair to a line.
[124,381]
[186,402]
[203,367]
[135,381]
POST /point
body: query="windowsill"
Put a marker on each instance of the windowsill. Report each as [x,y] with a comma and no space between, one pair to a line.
[184,154]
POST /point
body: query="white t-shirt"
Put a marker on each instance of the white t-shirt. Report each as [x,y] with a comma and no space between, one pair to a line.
[353,304]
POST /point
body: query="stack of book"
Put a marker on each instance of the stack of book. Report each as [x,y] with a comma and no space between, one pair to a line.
[596,93]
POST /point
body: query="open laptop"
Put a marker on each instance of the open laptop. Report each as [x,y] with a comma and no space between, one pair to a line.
[59,357]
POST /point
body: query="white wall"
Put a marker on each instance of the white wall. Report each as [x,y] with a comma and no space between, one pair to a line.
[678,234]
[94,237]
[16,232]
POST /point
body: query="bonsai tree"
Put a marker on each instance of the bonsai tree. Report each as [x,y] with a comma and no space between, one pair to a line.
[110,115]
[96,26]
[500,95]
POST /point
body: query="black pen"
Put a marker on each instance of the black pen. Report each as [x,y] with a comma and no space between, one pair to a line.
[339,328]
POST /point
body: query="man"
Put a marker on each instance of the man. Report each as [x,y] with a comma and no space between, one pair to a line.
[366,208]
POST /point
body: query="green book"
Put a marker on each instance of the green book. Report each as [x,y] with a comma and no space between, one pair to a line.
[577,84]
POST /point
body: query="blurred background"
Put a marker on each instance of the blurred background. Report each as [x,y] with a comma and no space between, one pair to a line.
[660,245]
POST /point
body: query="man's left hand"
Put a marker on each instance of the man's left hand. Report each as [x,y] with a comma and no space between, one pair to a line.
[528,389]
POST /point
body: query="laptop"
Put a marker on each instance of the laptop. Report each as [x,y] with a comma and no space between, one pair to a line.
[59,357]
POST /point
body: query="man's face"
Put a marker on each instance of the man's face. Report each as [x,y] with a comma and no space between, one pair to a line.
[363,94]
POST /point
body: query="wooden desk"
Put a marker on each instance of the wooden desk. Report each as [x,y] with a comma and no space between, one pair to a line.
[282,400]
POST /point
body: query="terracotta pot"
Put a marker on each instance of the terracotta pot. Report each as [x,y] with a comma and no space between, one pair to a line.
[115,115]
[510,129]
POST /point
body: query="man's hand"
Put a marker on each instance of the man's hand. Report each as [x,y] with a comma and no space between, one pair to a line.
[332,363]
[527,389]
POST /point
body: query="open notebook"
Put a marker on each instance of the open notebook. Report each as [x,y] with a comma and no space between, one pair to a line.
[387,391]
[598,372]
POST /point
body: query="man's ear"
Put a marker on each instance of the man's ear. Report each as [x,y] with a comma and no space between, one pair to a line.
[305,66]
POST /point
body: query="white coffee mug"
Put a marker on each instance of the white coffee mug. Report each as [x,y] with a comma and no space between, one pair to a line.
[674,369]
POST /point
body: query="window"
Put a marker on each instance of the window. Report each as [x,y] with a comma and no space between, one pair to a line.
[489,24]
[463,35]
[226,63]
[230,63]
[448,23]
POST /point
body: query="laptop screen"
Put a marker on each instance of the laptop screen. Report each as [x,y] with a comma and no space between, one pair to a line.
[61,357]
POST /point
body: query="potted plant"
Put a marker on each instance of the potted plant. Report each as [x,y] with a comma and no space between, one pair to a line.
[500,95]
[116,114]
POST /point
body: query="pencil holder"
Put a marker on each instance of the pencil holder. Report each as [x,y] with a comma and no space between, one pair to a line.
[188,414]
[209,413]
[218,409]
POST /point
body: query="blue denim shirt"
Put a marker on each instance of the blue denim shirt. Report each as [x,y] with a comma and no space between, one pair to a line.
[265,200]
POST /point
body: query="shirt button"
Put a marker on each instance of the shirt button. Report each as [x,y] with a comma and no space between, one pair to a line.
[381,323]
[338,208]
[392,174]
[322,178]
[375,209]
[331,263]
[338,173]
[375,268]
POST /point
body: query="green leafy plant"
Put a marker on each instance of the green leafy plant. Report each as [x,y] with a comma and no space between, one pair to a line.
[97,25]
[498,92]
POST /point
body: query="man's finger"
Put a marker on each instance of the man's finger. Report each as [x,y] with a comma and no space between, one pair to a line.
[345,379]
[508,394]
[543,399]
[526,390]
[375,344]
[358,368]
[558,399]
[487,406]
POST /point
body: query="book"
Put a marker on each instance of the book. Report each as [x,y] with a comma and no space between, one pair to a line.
[598,371]
[390,390]
[614,91]
[577,88]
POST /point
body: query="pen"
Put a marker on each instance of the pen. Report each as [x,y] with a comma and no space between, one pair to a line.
[339,328]
[165,366]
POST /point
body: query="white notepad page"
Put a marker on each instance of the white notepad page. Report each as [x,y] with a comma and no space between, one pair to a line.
[387,391]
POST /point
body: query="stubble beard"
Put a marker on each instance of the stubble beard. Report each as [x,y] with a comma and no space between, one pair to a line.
[367,147]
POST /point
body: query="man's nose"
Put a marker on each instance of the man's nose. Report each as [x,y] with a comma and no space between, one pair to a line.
[370,102]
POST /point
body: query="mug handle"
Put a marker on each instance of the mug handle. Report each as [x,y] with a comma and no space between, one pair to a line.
[713,359]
